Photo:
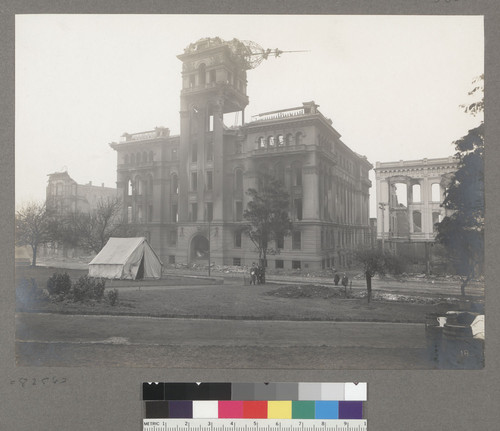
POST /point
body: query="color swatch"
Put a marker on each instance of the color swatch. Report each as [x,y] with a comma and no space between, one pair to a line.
[255,391]
[255,409]
[254,400]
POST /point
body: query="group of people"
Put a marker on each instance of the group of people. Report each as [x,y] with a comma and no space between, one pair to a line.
[336,279]
[256,274]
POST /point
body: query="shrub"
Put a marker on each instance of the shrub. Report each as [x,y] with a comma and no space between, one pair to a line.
[113,297]
[88,288]
[59,284]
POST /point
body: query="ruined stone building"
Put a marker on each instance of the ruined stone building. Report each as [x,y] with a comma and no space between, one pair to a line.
[65,196]
[186,193]
[409,198]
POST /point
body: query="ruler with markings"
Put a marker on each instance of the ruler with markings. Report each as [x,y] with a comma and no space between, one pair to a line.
[254,425]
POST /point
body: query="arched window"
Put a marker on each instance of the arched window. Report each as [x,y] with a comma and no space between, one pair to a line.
[238,180]
[436,192]
[281,140]
[415,191]
[150,185]
[212,76]
[261,143]
[288,139]
[298,138]
[202,76]
[138,186]
[399,195]
[417,221]
[138,158]
[132,159]
[436,218]
[151,156]
[144,156]
[175,184]
[270,141]
[129,188]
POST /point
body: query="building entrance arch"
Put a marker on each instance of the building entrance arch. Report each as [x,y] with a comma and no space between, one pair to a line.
[199,248]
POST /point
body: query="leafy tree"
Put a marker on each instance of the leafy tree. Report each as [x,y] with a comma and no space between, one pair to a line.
[33,227]
[91,231]
[376,261]
[462,232]
[267,215]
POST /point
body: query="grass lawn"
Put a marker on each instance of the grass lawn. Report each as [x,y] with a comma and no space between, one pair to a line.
[191,297]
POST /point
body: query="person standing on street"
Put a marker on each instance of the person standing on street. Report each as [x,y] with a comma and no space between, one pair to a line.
[253,274]
[345,280]
[336,278]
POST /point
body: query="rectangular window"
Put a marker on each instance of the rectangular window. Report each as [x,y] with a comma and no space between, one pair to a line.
[237,239]
[210,151]
[194,152]
[211,123]
[296,240]
[172,237]
[239,211]
[278,264]
[194,212]
[194,181]
[171,259]
[298,208]
[296,264]
[280,241]
[129,214]
[209,180]
[150,213]
[174,154]
[298,176]
[175,213]
[210,211]
[237,261]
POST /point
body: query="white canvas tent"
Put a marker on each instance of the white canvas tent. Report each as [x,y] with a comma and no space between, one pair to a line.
[126,258]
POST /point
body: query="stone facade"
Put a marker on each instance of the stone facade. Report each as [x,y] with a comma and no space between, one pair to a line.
[187,192]
[65,196]
[408,225]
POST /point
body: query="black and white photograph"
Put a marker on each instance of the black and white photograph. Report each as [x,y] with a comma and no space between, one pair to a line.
[250,191]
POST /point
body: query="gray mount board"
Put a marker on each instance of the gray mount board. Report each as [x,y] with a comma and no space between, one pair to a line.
[110,398]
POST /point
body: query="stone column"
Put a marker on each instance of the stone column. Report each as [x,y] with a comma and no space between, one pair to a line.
[310,191]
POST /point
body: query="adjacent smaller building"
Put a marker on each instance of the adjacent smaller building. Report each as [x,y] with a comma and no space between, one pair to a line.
[65,196]
[409,198]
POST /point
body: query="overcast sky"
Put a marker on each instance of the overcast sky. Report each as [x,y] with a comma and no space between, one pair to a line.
[391,84]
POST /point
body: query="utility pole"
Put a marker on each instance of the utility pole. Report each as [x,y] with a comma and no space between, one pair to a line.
[382,207]
[209,247]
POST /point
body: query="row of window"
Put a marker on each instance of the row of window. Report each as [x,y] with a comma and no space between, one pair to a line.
[279,242]
[279,140]
[278,263]
[209,152]
[139,157]
[399,195]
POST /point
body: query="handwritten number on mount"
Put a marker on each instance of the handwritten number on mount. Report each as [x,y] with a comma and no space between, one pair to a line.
[45,381]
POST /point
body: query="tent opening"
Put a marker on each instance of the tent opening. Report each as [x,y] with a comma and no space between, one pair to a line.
[140,271]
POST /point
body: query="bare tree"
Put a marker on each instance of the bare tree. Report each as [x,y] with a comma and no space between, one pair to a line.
[376,262]
[33,226]
[91,231]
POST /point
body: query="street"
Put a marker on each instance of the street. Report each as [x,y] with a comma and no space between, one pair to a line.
[45,339]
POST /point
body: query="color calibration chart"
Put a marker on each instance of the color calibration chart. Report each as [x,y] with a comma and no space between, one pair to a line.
[254,406]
